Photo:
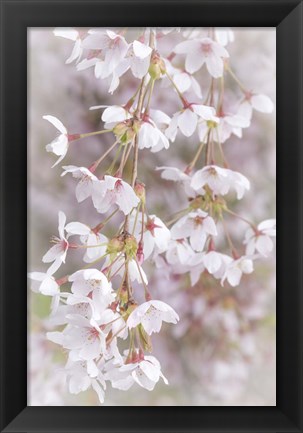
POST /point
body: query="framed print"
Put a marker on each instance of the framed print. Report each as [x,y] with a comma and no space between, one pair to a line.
[150,143]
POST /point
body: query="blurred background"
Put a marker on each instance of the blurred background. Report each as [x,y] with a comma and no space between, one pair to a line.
[222,352]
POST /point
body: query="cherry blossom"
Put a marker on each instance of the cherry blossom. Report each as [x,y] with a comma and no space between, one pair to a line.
[258,102]
[80,336]
[112,191]
[87,178]
[216,262]
[139,59]
[59,146]
[187,119]
[177,175]
[149,136]
[228,124]
[92,283]
[150,315]
[203,51]
[44,282]
[73,35]
[260,240]
[113,49]
[145,372]
[156,235]
[197,226]
[113,114]
[220,181]
[235,270]
[179,252]
[105,306]
[135,271]
[82,375]
[59,250]
[183,80]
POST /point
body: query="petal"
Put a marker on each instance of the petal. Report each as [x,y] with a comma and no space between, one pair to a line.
[49,287]
[37,276]
[143,380]
[209,226]
[76,228]
[267,225]
[139,67]
[262,103]
[186,47]
[204,111]
[264,245]
[55,337]
[198,239]
[99,390]
[233,276]
[126,198]
[141,50]
[91,349]
[187,122]
[194,61]
[55,252]
[62,221]
[115,113]
[182,81]
[66,32]
[76,52]
[56,122]
[214,66]
[58,146]
[60,159]
[150,370]
[84,188]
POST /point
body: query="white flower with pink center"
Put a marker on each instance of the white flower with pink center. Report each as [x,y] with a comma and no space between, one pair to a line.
[59,250]
[260,240]
[59,146]
[44,282]
[183,80]
[72,35]
[187,119]
[113,48]
[176,175]
[156,235]
[85,186]
[145,372]
[216,262]
[151,314]
[202,51]
[86,340]
[95,242]
[150,137]
[81,375]
[135,270]
[179,252]
[96,246]
[220,181]
[114,191]
[228,124]
[139,59]
[236,268]
[197,226]
[113,114]
[254,101]
[93,285]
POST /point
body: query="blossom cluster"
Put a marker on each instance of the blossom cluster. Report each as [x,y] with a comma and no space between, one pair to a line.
[106,304]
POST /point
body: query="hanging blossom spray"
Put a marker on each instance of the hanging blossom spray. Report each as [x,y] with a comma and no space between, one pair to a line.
[98,304]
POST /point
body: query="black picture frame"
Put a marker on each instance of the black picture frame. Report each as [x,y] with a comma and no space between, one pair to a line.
[16,16]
